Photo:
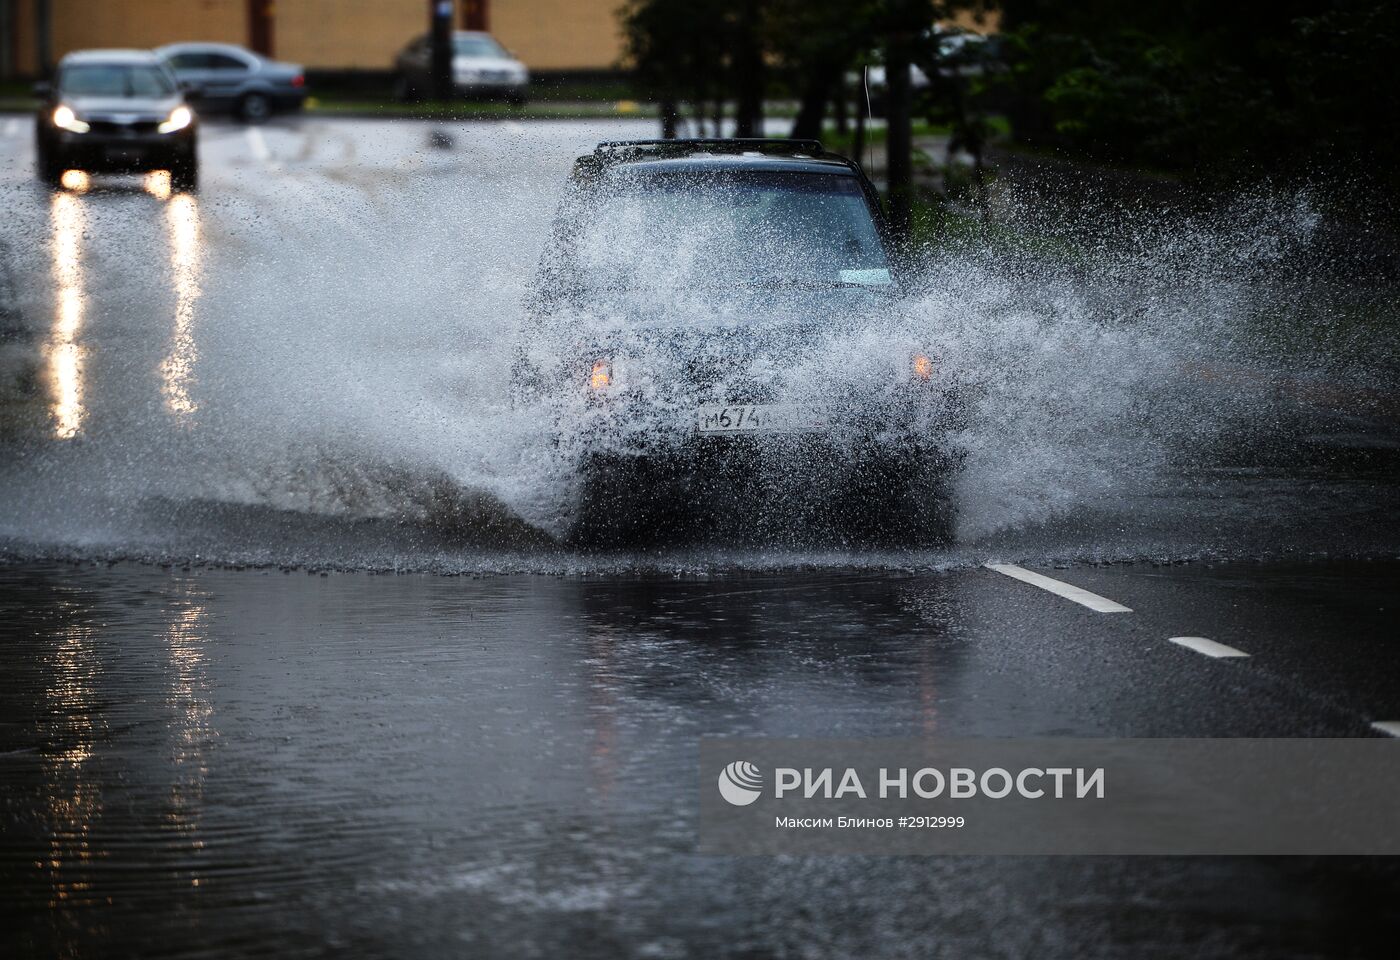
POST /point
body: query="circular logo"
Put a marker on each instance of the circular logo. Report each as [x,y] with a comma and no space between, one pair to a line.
[740,783]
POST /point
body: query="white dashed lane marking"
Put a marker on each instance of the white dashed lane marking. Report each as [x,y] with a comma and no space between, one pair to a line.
[258,144]
[1070,592]
[1208,647]
[1093,601]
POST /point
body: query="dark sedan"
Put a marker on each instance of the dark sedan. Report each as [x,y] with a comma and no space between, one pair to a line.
[115,111]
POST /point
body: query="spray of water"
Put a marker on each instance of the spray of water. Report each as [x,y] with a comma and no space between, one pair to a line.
[316,367]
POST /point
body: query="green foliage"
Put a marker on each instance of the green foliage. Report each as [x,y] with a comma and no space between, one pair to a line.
[680,49]
[1288,86]
[694,50]
[707,52]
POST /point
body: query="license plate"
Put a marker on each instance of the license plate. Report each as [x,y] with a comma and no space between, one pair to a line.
[124,155]
[751,418]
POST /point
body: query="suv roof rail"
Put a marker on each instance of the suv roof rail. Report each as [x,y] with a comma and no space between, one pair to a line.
[713,144]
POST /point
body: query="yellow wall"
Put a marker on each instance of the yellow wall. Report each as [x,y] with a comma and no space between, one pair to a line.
[330,34]
[546,34]
[338,34]
[82,24]
[978,21]
[346,34]
[559,34]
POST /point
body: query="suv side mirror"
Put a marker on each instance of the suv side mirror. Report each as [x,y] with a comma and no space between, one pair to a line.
[43,90]
[191,90]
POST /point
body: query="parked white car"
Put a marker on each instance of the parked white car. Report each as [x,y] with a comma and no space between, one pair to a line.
[481,67]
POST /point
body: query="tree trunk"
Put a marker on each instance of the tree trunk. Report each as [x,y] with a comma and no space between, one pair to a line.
[749,76]
[811,113]
[668,119]
[7,45]
[899,161]
[440,27]
[43,37]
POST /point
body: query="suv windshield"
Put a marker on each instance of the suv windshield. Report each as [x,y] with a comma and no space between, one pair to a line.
[115,80]
[745,228]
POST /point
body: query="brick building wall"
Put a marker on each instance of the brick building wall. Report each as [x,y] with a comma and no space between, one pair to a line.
[327,34]
[80,24]
[559,34]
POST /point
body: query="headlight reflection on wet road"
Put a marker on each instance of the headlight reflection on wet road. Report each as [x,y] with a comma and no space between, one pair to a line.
[76,181]
[65,354]
[177,369]
[157,184]
[191,722]
[74,795]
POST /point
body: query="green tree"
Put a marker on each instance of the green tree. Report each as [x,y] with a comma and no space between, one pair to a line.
[682,51]
[1283,87]
[710,52]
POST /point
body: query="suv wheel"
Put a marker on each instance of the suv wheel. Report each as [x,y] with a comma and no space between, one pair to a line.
[255,108]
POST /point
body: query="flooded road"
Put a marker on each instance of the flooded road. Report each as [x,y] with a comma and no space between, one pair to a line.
[291,659]
[414,766]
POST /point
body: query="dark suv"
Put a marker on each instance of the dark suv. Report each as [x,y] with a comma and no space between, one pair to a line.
[717,338]
[115,111]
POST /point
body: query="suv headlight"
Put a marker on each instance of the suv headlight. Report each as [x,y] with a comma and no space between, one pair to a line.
[179,119]
[65,119]
[601,376]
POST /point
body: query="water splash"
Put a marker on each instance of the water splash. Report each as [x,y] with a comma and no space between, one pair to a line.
[325,379]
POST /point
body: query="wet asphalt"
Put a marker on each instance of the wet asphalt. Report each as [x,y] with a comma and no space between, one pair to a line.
[233,762]
[203,760]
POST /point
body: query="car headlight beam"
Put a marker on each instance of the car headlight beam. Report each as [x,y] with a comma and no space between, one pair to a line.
[65,119]
[180,118]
